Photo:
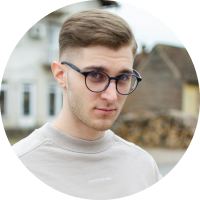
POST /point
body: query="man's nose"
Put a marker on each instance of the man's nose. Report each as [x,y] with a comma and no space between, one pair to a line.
[110,94]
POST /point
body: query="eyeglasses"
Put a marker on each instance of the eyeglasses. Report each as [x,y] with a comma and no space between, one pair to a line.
[98,81]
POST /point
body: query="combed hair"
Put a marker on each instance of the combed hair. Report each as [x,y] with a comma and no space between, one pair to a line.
[95,27]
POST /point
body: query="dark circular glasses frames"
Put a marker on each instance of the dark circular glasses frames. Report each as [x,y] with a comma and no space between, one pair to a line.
[98,81]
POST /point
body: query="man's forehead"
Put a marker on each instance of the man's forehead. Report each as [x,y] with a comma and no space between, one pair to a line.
[105,58]
[97,57]
[104,50]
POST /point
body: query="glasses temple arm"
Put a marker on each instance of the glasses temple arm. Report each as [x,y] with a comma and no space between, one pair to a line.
[72,66]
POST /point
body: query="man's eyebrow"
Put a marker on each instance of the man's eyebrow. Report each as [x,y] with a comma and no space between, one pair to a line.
[101,68]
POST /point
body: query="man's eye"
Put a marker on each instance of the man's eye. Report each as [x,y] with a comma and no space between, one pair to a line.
[124,78]
[95,75]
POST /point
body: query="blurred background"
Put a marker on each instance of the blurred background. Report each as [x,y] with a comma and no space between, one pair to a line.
[160,116]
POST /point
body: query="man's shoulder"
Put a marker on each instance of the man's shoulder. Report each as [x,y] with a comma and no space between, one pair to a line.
[128,144]
[132,148]
[137,155]
[29,143]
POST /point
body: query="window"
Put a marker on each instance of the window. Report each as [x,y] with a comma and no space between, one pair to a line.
[52,105]
[3,99]
[27,106]
[26,99]
[54,101]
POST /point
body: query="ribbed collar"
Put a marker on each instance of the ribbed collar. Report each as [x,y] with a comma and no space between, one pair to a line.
[70,143]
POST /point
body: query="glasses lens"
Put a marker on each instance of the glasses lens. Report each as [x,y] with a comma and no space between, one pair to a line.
[97,81]
[126,84]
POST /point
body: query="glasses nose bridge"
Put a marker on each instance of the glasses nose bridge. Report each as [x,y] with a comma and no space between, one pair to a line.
[112,78]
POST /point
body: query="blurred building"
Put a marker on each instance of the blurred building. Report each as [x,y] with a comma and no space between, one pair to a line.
[30,96]
[169,81]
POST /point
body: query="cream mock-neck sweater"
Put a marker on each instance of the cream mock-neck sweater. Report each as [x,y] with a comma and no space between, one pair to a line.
[107,168]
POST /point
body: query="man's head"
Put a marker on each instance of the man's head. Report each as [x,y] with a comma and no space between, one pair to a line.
[93,39]
[95,27]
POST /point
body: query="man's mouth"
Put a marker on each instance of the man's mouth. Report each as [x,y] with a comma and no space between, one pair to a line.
[105,111]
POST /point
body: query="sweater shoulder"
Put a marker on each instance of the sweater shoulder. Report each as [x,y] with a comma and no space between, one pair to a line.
[134,148]
[30,143]
[141,154]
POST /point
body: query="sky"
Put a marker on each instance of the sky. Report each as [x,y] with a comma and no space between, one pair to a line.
[148,29]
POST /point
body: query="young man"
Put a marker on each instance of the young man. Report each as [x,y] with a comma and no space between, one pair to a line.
[78,154]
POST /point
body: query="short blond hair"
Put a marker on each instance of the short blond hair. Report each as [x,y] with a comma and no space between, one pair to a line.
[95,27]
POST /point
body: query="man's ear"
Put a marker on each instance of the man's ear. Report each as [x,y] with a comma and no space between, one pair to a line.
[59,73]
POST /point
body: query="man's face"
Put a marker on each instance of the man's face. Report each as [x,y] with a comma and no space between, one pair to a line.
[97,111]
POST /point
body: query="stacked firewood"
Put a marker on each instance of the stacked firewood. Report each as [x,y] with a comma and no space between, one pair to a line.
[166,129]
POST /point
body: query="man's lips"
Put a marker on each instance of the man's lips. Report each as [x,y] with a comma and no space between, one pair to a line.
[105,111]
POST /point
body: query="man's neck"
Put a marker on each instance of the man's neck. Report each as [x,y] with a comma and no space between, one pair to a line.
[78,130]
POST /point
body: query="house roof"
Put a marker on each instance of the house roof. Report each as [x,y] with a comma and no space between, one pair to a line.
[177,57]
[180,57]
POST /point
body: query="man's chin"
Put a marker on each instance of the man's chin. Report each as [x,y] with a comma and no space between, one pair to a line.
[102,126]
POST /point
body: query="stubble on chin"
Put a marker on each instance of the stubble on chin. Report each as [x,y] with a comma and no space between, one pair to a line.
[79,115]
[80,112]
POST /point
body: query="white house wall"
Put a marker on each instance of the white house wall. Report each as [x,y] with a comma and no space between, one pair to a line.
[28,63]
